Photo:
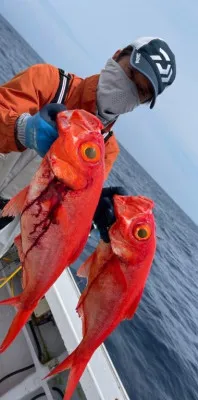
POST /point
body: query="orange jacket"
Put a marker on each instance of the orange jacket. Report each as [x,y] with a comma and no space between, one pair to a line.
[31,89]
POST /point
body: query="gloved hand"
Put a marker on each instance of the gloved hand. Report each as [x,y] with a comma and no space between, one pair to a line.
[39,131]
[104,216]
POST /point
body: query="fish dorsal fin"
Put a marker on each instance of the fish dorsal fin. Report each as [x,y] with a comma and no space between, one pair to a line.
[83,271]
[95,262]
[133,307]
[15,205]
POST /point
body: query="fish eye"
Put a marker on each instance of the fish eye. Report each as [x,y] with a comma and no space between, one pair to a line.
[90,152]
[142,232]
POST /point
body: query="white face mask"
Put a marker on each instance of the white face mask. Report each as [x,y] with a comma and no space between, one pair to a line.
[116,93]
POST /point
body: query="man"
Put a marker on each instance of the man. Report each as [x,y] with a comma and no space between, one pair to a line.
[30,102]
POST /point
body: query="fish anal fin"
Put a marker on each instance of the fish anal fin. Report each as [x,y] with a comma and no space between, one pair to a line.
[18,244]
[133,307]
[24,278]
[15,205]
[80,311]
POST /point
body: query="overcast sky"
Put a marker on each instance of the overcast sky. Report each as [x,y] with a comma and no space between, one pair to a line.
[79,36]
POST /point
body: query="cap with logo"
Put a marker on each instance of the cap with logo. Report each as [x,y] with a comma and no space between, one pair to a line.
[155,60]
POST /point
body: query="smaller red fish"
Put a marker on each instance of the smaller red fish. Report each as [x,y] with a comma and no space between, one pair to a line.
[117,274]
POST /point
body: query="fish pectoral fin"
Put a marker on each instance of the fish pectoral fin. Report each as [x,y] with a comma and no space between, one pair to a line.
[15,205]
[133,307]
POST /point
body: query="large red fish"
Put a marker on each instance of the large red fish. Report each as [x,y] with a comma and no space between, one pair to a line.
[56,210]
[117,273]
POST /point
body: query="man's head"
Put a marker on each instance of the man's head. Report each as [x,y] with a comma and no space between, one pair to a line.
[135,75]
[150,63]
[144,86]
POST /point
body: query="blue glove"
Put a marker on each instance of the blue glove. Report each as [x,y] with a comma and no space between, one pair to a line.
[39,131]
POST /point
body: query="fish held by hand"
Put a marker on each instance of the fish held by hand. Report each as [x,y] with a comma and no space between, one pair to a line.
[56,210]
[117,274]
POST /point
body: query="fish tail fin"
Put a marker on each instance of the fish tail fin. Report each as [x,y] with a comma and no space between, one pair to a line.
[18,322]
[77,363]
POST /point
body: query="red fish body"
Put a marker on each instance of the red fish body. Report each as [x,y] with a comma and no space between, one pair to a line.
[57,210]
[117,274]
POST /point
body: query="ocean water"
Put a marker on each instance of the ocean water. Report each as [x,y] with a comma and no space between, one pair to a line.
[156,353]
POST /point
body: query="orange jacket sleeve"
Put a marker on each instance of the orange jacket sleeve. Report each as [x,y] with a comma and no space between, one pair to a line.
[28,92]
[111,153]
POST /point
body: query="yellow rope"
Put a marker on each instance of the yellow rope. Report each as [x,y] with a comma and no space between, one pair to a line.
[10,276]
